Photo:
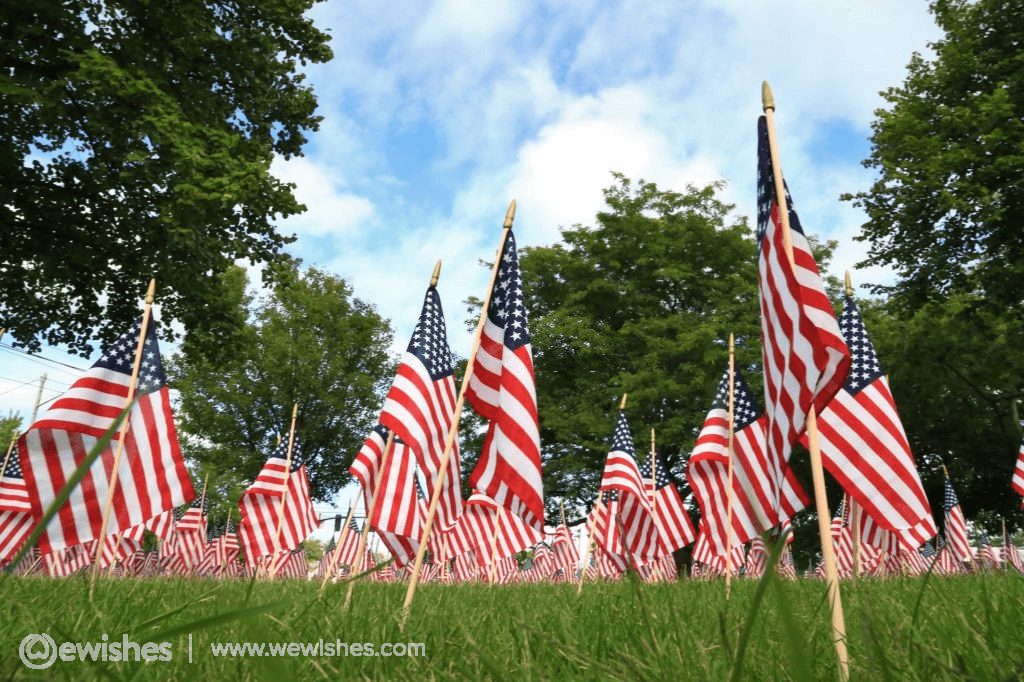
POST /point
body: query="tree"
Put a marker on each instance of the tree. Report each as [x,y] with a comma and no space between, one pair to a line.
[309,342]
[643,303]
[947,208]
[137,141]
[946,213]
[10,426]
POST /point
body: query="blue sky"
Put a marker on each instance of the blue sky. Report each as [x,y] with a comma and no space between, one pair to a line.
[437,114]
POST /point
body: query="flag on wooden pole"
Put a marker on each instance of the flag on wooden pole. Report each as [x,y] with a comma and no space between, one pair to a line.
[502,391]
[420,406]
[151,475]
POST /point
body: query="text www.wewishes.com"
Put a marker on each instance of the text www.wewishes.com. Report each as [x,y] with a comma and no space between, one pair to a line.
[321,647]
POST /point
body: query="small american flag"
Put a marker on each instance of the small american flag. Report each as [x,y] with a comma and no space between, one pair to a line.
[502,391]
[675,529]
[622,473]
[864,446]
[758,503]
[261,503]
[151,476]
[567,556]
[483,525]
[16,518]
[956,525]
[805,358]
[1017,483]
[190,532]
[420,406]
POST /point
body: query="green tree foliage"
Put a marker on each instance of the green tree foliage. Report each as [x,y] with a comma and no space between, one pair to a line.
[641,303]
[137,141]
[946,213]
[9,428]
[947,208]
[311,342]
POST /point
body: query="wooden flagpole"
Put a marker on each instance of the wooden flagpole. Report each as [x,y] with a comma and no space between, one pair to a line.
[813,438]
[729,464]
[224,538]
[202,503]
[494,544]
[332,563]
[10,449]
[284,493]
[361,548]
[132,383]
[656,566]
[854,507]
[590,534]
[453,430]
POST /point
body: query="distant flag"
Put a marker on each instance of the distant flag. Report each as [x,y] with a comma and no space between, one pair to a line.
[607,532]
[366,463]
[326,561]
[191,532]
[151,477]
[1011,553]
[757,558]
[1017,483]
[640,534]
[261,504]
[16,520]
[805,357]
[675,529]
[567,556]
[956,525]
[864,446]
[948,563]
[502,391]
[484,525]
[842,540]
[396,516]
[988,553]
[758,501]
[420,406]
[348,549]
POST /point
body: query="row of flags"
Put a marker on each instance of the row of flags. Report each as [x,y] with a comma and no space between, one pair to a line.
[410,465]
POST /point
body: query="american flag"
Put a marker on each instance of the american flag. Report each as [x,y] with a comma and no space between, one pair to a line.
[191,531]
[1011,553]
[420,406]
[606,531]
[757,558]
[484,525]
[758,503]
[988,554]
[566,554]
[670,516]
[151,475]
[396,516]
[622,473]
[948,563]
[502,391]
[327,560]
[291,563]
[842,541]
[366,463]
[65,562]
[261,504]
[805,358]
[543,561]
[16,520]
[348,545]
[864,446]
[1017,483]
[956,525]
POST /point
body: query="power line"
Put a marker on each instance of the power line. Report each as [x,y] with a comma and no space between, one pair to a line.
[39,360]
[25,383]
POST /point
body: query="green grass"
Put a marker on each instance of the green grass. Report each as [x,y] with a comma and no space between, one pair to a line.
[965,628]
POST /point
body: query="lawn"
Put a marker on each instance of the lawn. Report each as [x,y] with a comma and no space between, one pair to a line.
[900,629]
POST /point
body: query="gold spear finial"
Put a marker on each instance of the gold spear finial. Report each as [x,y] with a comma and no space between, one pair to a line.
[622,403]
[510,215]
[437,273]
[849,285]
[767,99]
[732,345]
[151,291]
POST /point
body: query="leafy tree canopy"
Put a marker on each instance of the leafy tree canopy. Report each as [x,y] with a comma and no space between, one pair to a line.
[138,137]
[311,342]
[947,208]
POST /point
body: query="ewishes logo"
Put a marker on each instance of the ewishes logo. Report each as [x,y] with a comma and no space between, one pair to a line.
[39,651]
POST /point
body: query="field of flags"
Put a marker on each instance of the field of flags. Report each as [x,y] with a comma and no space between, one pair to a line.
[100,475]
